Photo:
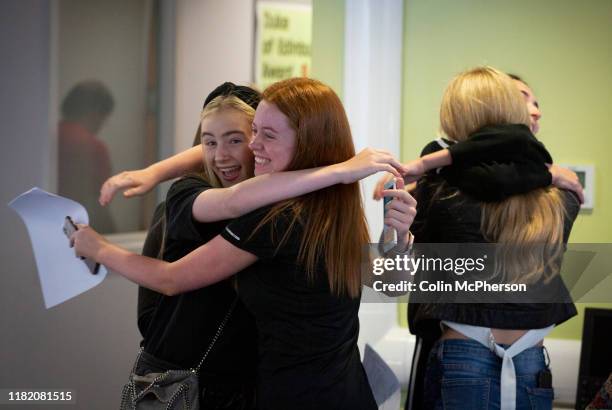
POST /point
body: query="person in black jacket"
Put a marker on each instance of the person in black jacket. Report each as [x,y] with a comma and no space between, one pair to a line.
[480,104]
[490,166]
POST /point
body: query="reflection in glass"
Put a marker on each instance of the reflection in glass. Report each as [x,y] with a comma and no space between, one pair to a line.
[83,158]
[106,58]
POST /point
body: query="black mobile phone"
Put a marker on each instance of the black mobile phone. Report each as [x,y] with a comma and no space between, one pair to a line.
[70,228]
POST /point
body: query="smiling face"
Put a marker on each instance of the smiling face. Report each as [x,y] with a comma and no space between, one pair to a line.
[532,105]
[274,139]
[225,139]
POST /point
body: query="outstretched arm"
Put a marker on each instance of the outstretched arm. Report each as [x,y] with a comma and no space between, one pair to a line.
[489,177]
[139,182]
[229,203]
[415,169]
[208,264]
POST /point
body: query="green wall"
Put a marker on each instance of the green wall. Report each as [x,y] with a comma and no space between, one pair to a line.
[561,47]
[328,43]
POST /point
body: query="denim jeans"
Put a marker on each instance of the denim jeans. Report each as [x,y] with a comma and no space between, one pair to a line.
[463,374]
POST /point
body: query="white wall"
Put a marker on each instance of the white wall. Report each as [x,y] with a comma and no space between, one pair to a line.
[373,59]
[214,44]
[88,343]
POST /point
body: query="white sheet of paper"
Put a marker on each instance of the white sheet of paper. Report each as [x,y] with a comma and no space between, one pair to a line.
[62,275]
[384,383]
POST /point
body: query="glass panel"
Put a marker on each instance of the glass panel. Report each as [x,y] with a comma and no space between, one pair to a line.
[107,83]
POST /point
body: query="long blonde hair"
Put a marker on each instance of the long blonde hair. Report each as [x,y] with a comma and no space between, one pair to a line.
[527,227]
[333,218]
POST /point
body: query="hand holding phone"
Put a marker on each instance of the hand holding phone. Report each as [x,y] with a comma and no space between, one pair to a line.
[70,228]
[389,233]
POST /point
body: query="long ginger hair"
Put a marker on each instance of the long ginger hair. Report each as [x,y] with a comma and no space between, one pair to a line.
[335,228]
[527,227]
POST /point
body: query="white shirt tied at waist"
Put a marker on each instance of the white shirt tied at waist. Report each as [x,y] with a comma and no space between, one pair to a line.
[484,336]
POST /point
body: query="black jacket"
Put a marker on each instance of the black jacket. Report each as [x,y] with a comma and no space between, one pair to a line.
[454,217]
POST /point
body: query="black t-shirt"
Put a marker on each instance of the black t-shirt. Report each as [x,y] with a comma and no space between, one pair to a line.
[147,298]
[308,355]
[184,325]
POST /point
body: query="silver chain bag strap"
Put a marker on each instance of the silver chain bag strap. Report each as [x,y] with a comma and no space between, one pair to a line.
[172,389]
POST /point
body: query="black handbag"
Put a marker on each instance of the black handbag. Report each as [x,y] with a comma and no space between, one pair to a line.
[171,389]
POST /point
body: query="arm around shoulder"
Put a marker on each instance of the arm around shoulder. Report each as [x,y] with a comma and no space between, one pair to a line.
[262,190]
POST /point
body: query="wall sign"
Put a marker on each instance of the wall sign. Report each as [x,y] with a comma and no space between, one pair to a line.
[283,42]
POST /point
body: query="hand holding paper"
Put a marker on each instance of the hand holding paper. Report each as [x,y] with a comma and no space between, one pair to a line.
[87,242]
[62,274]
